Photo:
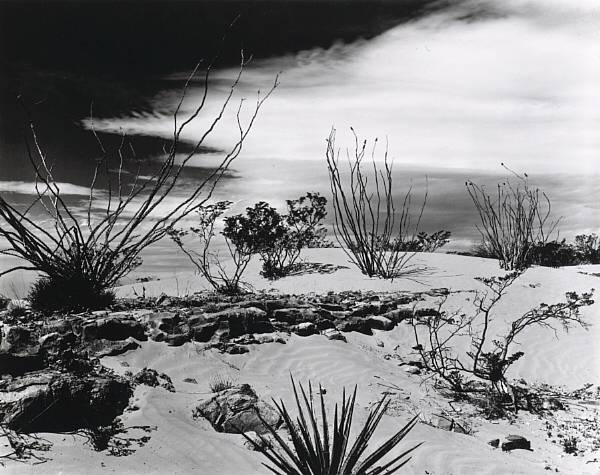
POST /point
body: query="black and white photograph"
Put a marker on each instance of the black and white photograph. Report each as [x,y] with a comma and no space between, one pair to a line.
[300,237]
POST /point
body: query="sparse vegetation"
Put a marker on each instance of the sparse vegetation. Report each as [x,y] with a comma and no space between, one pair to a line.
[94,250]
[209,263]
[278,239]
[327,449]
[376,234]
[514,220]
[570,445]
[489,357]
[23,447]
[220,382]
[423,242]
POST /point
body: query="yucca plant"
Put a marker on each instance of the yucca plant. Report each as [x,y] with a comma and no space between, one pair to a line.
[327,450]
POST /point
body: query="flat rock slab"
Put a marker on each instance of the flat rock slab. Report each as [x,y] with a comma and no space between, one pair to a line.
[235,410]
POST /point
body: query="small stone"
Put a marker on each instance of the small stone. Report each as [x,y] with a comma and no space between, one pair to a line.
[514,442]
[412,370]
[265,338]
[177,339]
[190,380]
[379,343]
[494,443]
[333,334]
[427,312]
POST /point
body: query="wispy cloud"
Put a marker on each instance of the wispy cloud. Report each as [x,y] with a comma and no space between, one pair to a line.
[480,83]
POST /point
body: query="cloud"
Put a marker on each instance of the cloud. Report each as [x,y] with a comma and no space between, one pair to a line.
[521,85]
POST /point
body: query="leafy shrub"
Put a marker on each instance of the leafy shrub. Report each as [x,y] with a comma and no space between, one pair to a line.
[553,254]
[48,295]
[588,248]
[585,250]
[422,243]
[328,450]
[278,239]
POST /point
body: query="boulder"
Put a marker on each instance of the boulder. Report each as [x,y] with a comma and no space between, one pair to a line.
[305,329]
[379,322]
[399,314]
[157,335]
[295,315]
[354,324]
[113,329]
[203,331]
[177,339]
[514,442]
[58,402]
[427,312]
[365,309]
[21,362]
[241,321]
[323,324]
[151,377]
[102,348]
[15,338]
[164,321]
[55,343]
[334,334]
[236,410]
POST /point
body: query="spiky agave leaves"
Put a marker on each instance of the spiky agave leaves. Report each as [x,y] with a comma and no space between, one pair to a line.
[326,450]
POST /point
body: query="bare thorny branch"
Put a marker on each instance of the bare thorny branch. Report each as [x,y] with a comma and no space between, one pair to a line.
[106,250]
[513,220]
[366,222]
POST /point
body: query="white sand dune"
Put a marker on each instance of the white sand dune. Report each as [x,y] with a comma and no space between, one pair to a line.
[180,444]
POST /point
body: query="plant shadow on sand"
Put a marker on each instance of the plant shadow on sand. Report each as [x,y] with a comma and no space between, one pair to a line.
[315,268]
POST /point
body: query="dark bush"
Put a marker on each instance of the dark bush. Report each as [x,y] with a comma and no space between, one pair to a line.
[277,238]
[588,248]
[553,254]
[422,243]
[73,294]
[585,250]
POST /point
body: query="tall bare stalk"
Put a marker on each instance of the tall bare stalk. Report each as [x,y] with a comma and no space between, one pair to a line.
[368,224]
[513,220]
[101,250]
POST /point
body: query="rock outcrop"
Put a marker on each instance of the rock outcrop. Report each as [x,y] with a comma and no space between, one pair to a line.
[53,401]
[237,410]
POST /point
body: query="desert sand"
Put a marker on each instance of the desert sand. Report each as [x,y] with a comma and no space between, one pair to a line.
[180,444]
